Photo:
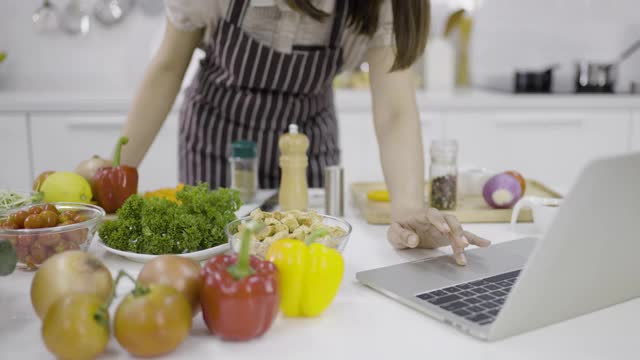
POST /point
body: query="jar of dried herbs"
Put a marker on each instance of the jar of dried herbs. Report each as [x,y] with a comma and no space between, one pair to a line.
[244,169]
[443,174]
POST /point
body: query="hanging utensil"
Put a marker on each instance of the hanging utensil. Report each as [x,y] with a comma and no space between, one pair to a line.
[111,12]
[45,18]
[601,77]
[75,20]
[151,7]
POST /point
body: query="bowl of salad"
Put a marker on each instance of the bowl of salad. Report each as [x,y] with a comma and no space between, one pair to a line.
[289,224]
[39,231]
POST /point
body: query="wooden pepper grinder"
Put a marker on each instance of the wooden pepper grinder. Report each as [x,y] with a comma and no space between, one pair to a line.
[294,193]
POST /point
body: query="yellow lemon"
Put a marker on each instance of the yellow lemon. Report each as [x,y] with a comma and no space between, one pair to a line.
[378,195]
[66,187]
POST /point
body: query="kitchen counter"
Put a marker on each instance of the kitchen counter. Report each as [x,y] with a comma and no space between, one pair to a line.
[346,100]
[360,324]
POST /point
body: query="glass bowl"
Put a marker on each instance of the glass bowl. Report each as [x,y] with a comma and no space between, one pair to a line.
[259,247]
[34,246]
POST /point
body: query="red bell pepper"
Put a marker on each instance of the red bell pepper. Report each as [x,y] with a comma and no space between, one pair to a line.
[114,184]
[240,295]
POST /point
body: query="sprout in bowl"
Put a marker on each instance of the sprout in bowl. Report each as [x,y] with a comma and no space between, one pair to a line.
[292,224]
[37,232]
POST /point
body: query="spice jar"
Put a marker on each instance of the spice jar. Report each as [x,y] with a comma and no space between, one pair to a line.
[443,174]
[244,169]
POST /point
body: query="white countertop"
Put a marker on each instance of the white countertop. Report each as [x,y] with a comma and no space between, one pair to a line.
[360,324]
[346,100]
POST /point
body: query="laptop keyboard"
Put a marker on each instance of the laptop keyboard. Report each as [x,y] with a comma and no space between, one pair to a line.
[479,301]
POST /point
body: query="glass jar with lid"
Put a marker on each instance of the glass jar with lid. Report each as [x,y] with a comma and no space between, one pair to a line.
[244,169]
[443,174]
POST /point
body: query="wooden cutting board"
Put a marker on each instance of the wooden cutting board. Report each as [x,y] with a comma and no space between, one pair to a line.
[470,209]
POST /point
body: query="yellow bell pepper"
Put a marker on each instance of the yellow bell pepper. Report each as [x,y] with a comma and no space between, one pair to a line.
[309,274]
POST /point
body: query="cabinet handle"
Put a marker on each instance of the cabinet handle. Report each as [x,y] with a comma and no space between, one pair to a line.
[539,124]
[95,126]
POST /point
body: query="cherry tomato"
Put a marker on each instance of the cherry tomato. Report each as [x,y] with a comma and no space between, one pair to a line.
[179,272]
[25,240]
[18,218]
[10,225]
[79,218]
[77,237]
[67,215]
[33,221]
[154,322]
[52,208]
[67,222]
[35,210]
[50,240]
[39,253]
[75,327]
[48,218]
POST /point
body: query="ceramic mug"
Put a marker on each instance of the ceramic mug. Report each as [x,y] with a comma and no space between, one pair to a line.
[544,210]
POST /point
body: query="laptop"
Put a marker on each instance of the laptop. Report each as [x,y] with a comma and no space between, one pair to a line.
[587,260]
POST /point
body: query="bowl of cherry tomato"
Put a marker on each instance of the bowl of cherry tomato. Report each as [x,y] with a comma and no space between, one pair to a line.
[39,231]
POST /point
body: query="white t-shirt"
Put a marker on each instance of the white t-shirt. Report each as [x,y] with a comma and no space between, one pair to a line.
[275,24]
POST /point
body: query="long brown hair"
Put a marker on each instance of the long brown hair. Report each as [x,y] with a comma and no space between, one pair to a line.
[410,24]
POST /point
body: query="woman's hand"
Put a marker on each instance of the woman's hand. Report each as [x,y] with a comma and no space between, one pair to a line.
[429,228]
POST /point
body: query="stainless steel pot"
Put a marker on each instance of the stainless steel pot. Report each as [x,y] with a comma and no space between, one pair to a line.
[600,77]
[595,77]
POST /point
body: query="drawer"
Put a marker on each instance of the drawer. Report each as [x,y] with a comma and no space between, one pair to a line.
[61,141]
[550,146]
[635,132]
[14,147]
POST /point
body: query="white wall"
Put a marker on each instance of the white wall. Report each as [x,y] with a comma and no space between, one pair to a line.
[508,34]
[535,33]
[106,59]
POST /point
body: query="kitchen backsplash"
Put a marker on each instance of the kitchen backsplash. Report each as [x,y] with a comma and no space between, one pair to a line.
[507,35]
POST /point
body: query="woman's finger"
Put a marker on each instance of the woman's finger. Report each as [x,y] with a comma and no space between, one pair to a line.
[401,237]
[476,240]
[458,252]
[456,231]
[436,218]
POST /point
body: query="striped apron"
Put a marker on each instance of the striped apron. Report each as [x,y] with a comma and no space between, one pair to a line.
[246,90]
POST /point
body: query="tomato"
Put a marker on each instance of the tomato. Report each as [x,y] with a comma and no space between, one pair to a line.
[18,218]
[33,221]
[75,327]
[48,218]
[10,225]
[50,240]
[181,273]
[152,320]
[52,208]
[39,252]
[79,218]
[69,272]
[76,237]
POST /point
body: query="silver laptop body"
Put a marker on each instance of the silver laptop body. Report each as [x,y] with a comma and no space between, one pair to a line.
[587,260]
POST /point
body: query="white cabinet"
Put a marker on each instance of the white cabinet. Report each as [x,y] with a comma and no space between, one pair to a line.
[551,146]
[61,141]
[14,147]
[360,151]
[635,132]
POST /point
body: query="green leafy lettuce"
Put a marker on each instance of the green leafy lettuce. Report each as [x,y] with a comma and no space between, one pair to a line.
[160,226]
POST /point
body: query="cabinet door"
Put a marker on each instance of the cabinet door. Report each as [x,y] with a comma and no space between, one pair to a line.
[360,151]
[635,135]
[552,147]
[14,147]
[61,141]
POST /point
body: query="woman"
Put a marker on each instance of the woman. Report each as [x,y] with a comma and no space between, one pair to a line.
[272,62]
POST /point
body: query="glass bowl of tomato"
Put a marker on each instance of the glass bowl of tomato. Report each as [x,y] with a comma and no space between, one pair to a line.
[39,231]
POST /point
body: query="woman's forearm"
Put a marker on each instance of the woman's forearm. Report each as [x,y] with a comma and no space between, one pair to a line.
[150,108]
[158,91]
[397,124]
[401,154]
